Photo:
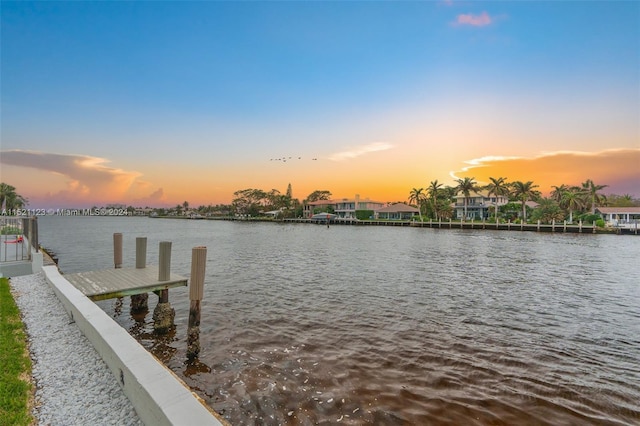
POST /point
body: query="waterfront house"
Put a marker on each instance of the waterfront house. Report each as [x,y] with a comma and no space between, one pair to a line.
[344,208]
[479,205]
[398,211]
[621,217]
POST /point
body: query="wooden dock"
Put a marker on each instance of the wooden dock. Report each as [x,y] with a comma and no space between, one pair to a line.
[112,283]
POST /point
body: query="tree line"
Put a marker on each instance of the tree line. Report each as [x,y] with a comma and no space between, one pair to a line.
[565,202]
[435,201]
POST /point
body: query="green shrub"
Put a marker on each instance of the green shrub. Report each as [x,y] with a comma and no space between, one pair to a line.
[364,214]
[11,230]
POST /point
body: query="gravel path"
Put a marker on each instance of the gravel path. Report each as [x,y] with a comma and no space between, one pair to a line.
[73,385]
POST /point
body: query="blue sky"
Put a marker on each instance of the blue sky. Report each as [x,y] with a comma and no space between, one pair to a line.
[214,90]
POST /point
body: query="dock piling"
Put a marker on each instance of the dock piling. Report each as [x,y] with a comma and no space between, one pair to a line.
[163,314]
[139,302]
[117,250]
[141,252]
[196,292]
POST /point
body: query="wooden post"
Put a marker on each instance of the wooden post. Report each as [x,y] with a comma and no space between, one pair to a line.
[117,250]
[580,226]
[164,269]
[139,302]
[564,227]
[163,314]
[196,292]
[553,225]
[141,252]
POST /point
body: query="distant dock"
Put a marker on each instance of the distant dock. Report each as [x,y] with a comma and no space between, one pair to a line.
[560,227]
[532,227]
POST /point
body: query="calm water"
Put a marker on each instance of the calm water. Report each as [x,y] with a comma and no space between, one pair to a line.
[371,325]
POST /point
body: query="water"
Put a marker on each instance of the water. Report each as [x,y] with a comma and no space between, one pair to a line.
[302,324]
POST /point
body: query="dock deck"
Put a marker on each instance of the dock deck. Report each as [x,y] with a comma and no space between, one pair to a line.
[112,283]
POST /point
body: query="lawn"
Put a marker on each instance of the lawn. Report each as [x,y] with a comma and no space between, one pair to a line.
[15,370]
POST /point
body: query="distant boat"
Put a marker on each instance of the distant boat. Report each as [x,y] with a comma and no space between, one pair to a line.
[323,216]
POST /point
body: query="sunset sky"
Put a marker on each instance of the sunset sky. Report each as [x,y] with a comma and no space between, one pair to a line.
[156,103]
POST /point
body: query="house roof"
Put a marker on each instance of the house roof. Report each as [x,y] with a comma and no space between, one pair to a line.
[398,208]
[321,203]
[614,210]
[483,193]
[341,201]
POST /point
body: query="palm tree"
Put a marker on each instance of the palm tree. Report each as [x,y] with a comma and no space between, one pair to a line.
[434,191]
[497,187]
[9,198]
[572,199]
[591,190]
[558,192]
[417,196]
[524,191]
[548,211]
[466,186]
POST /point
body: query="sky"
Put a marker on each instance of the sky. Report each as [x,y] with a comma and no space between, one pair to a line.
[156,103]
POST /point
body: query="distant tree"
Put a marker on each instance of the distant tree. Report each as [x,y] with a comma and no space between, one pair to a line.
[498,187]
[417,196]
[319,195]
[435,191]
[289,191]
[572,199]
[547,211]
[593,197]
[523,192]
[625,200]
[558,192]
[466,186]
[185,205]
[249,201]
[443,208]
[9,198]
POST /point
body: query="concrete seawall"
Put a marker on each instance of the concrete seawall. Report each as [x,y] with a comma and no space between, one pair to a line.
[158,395]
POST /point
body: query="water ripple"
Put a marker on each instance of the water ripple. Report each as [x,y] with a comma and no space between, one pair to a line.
[352,325]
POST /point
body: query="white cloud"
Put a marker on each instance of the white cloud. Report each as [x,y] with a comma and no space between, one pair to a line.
[357,151]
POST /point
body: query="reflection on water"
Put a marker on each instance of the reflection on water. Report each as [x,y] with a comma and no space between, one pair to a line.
[349,325]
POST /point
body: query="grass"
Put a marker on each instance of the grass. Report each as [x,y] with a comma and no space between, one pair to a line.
[15,370]
[10,230]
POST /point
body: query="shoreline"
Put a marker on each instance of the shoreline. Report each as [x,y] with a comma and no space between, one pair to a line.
[561,228]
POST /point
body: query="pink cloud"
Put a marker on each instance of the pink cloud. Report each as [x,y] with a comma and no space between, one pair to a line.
[474,20]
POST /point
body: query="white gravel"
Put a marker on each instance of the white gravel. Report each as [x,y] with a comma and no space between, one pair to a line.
[73,385]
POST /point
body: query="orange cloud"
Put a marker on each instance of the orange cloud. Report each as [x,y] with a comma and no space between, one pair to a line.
[619,169]
[88,179]
[480,20]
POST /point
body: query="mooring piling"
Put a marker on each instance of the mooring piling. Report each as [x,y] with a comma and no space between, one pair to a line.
[117,250]
[163,314]
[141,252]
[139,302]
[196,292]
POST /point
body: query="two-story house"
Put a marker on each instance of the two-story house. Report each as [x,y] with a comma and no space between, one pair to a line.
[479,205]
[343,208]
